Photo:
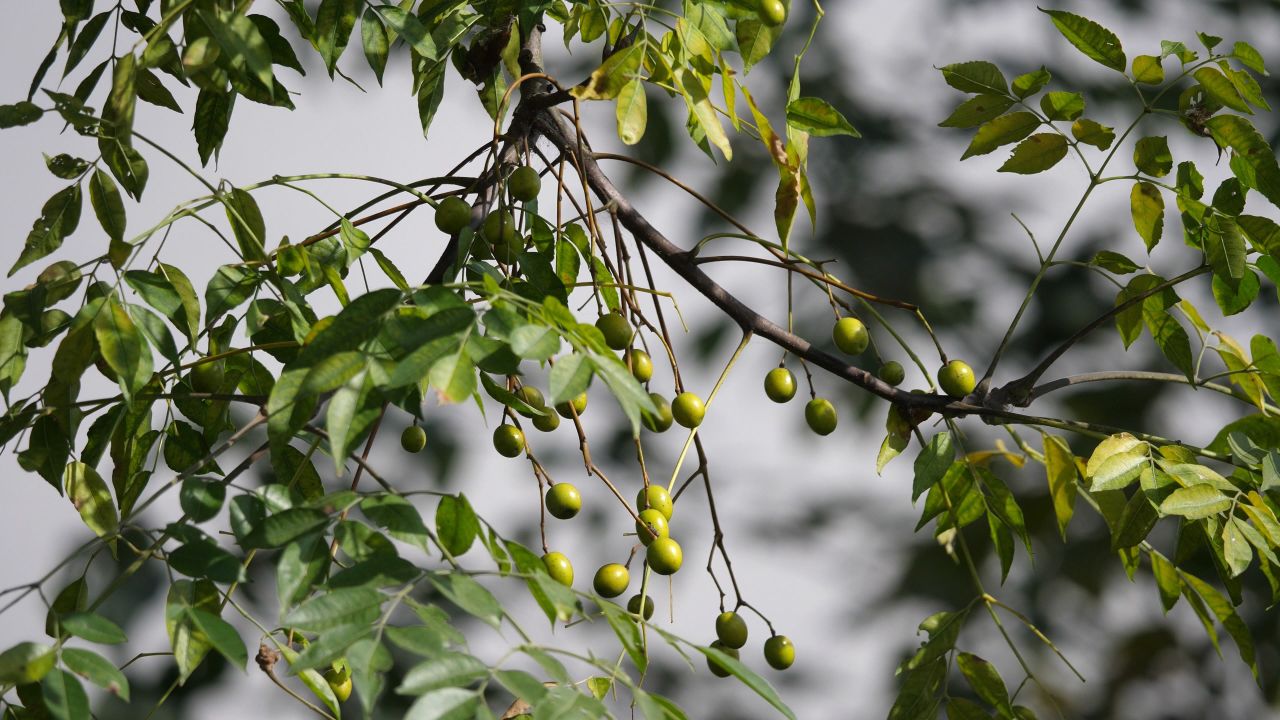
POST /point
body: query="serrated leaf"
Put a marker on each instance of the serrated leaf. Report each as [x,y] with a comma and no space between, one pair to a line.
[1148,70]
[1221,90]
[1090,38]
[978,76]
[1001,131]
[1091,132]
[1062,105]
[1036,154]
[1151,156]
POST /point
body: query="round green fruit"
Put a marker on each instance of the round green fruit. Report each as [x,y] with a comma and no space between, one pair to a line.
[850,335]
[339,678]
[508,440]
[547,422]
[660,421]
[821,416]
[452,215]
[656,497]
[779,652]
[664,556]
[956,378]
[731,629]
[563,501]
[652,525]
[716,668]
[499,228]
[413,439]
[616,330]
[524,184]
[773,12]
[611,580]
[780,384]
[688,409]
[532,397]
[559,568]
[640,363]
[569,407]
[633,606]
[207,377]
[892,372]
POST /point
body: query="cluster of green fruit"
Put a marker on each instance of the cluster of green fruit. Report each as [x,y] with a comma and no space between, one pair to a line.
[731,636]
[498,236]
[850,335]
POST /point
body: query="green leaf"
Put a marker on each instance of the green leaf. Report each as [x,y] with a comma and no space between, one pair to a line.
[1003,130]
[93,627]
[818,118]
[1235,132]
[190,644]
[58,219]
[97,670]
[300,566]
[1195,502]
[399,518]
[107,205]
[345,606]
[445,704]
[407,26]
[373,35]
[449,669]
[88,492]
[335,19]
[1114,262]
[1227,615]
[1093,133]
[1090,38]
[1029,84]
[1236,300]
[1118,471]
[1249,57]
[26,662]
[977,76]
[1146,205]
[1136,521]
[1224,249]
[1148,70]
[23,113]
[456,524]
[285,526]
[617,71]
[1151,156]
[627,629]
[1061,105]
[1221,90]
[630,394]
[1060,466]
[123,347]
[227,289]
[1167,581]
[212,119]
[242,44]
[932,463]
[1036,154]
[64,696]
[469,595]
[224,638]
[1235,547]
[246,222]
[757,684]
[535,342]
[454,376]
[755,40]
[568,378]
[117,114]
[632,112]
[977,110]
[984,679]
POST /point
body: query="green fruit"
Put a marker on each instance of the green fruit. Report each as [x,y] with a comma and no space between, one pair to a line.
[660,421]
[616,330]
[338,676]
[716,668]
[577,405]
[779,652]
[892,372]
[664,556]
[773,12]
[413,439]
[559,568]
[508,251]
[731,629]
[524,184]
[851,336]
[652,525]
[656,497]
[508,440]
[957,379]
[452,215]
[633,606]
[207,377]
[563,501]
[532,397]
[611,580]
[688,409]
[821,416]
[499,228]
[546,423]
[640,363]
[780,384]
